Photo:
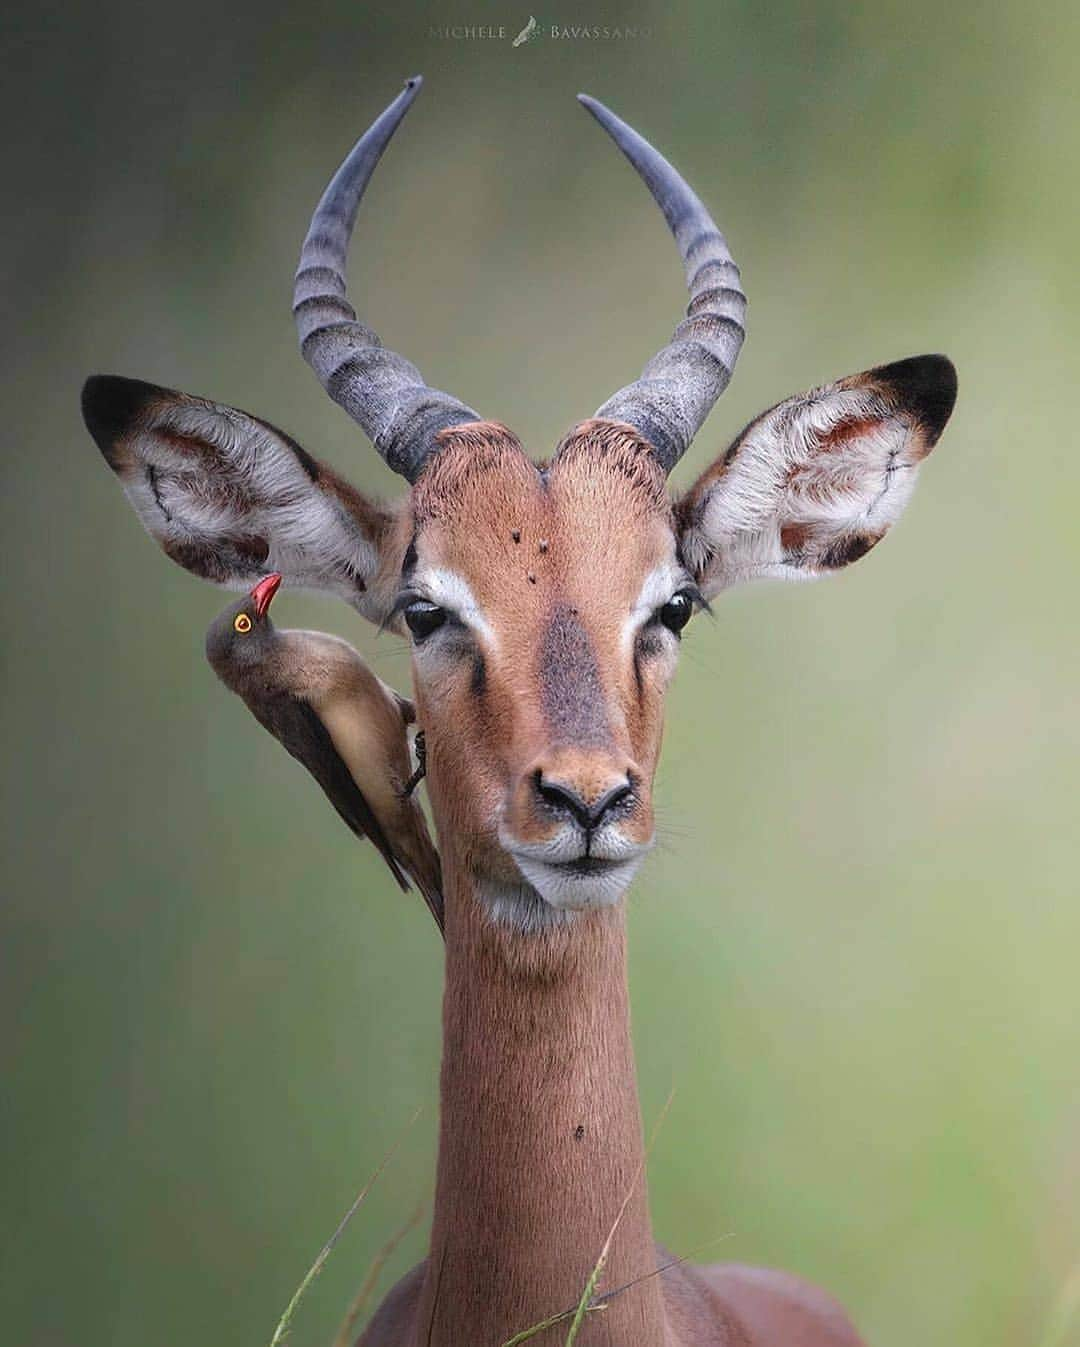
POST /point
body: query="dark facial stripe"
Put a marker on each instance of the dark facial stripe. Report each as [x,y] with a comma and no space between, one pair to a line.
[408,565]
[478,683]
[571,692]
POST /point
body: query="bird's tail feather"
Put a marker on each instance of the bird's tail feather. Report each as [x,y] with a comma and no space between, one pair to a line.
[427,872]
[396,870]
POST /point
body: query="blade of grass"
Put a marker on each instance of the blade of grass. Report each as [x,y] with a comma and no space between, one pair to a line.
[281,1333]
[602,1302]
[553,1322]
[589,1293]
[344,1336]
[609,1296]
[584,1304]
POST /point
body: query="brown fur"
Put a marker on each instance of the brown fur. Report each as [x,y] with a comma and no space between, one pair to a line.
[604,517]
[540,1142]
[841,435]
[540,1139]
[540,1135]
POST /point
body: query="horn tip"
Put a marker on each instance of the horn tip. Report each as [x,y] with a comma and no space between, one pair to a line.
[613,125]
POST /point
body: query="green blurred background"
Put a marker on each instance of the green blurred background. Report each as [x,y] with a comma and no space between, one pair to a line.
[856,953]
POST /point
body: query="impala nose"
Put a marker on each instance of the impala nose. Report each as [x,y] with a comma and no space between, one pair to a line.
[588,804]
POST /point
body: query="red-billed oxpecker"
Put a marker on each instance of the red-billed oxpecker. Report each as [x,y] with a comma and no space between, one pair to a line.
[319,699]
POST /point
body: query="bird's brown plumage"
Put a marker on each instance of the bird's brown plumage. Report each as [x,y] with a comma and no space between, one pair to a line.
[318,698]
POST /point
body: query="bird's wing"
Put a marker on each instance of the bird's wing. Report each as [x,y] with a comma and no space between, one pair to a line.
[294,722]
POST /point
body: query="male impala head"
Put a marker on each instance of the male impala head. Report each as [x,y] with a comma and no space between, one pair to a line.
[545,601]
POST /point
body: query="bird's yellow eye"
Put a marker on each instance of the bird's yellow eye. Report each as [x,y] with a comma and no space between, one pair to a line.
[242,623]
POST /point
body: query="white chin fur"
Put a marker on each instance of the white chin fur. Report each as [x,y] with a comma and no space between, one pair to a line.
[565,891]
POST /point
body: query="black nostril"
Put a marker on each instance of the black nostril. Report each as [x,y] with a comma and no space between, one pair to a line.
[565,800]
[568,801]
[609,801]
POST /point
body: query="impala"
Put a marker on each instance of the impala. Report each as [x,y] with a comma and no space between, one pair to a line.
[545,603]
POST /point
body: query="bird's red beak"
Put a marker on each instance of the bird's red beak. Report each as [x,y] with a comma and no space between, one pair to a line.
[264,591]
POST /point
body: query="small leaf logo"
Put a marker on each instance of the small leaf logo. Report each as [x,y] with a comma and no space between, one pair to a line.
[527,32]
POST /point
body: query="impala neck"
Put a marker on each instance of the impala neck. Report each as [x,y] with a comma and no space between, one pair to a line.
[540,1137]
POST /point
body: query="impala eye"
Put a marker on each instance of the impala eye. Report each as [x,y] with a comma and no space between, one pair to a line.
[423,618]
[242,623]
[676,613]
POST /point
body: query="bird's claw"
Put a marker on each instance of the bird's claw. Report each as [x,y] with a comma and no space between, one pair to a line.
[420,745]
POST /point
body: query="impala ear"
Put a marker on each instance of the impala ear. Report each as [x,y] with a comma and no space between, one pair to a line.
[231,498]
[817,481]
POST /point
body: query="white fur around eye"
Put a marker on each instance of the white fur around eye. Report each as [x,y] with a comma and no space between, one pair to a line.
[658,587]
[451,591]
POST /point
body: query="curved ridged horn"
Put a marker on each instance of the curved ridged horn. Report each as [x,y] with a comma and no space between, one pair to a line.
[380,389]
[679,385]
